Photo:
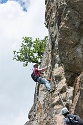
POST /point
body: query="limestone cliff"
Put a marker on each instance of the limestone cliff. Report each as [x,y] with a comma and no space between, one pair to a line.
[64,51]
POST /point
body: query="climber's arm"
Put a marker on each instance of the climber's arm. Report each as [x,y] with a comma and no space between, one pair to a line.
[44,69]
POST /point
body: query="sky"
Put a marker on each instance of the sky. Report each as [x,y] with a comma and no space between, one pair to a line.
[17,19]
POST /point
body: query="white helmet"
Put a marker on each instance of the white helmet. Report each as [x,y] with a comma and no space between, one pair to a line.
[64,111]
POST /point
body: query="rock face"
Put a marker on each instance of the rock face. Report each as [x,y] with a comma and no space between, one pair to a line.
[64,51]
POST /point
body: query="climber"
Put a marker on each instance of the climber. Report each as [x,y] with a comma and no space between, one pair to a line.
[70,119]
[36,76]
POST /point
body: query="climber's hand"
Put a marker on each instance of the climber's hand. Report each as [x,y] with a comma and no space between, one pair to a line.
[49,66]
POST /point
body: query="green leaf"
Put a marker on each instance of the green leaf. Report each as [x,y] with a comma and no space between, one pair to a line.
[30,51]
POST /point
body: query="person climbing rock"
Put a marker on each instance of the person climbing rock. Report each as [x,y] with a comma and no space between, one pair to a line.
[36,76]
[70,119]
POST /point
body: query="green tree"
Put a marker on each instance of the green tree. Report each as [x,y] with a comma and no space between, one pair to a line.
[30,51]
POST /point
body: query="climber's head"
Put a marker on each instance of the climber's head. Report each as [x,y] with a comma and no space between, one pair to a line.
[64,111]
[35,65]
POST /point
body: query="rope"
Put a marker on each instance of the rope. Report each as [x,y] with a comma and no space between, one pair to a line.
[67,95]
[60,97]
[56,88]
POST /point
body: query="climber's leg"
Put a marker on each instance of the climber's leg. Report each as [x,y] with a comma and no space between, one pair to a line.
[45,82]
[39,80]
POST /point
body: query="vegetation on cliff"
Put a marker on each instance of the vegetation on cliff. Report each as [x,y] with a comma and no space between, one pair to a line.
[30,50]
